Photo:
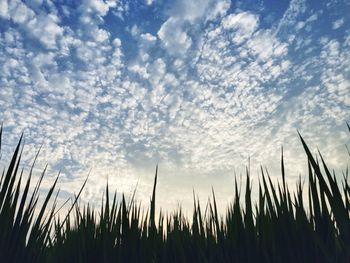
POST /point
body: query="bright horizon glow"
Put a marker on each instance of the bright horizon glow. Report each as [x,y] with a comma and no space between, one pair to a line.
[199,87]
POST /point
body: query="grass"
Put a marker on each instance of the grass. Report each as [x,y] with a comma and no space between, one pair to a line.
[281,226]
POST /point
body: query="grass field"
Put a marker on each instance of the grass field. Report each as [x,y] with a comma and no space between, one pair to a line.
[281,226]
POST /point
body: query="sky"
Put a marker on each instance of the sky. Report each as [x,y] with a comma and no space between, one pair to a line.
[202,88]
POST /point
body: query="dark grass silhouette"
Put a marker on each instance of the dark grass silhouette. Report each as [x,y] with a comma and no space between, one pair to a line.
[277,228]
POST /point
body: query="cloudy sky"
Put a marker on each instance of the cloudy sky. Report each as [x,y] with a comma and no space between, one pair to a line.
[198,87]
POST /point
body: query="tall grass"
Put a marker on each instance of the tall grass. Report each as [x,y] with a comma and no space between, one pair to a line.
[281,226]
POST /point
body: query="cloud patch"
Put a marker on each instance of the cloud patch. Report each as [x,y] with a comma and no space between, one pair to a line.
[174,38]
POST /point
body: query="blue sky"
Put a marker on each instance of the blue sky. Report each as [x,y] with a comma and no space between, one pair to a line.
[196,86]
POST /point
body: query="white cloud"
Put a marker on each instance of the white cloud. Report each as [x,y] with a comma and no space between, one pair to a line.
[99,7]
[193,11]
[149,2]
[290,16]
[244,24]
[218,9]
[101,35]
[142,71]
[42,26]
[148,38]
[338,23]
[189,10]
[175,40]
[20,13]
[186,16]
[265,45]
[45,29]
[4,9]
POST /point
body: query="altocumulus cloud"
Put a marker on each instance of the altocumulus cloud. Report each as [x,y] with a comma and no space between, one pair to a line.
[198,87]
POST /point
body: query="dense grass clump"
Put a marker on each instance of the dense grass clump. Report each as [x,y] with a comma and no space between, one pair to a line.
[276,228]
